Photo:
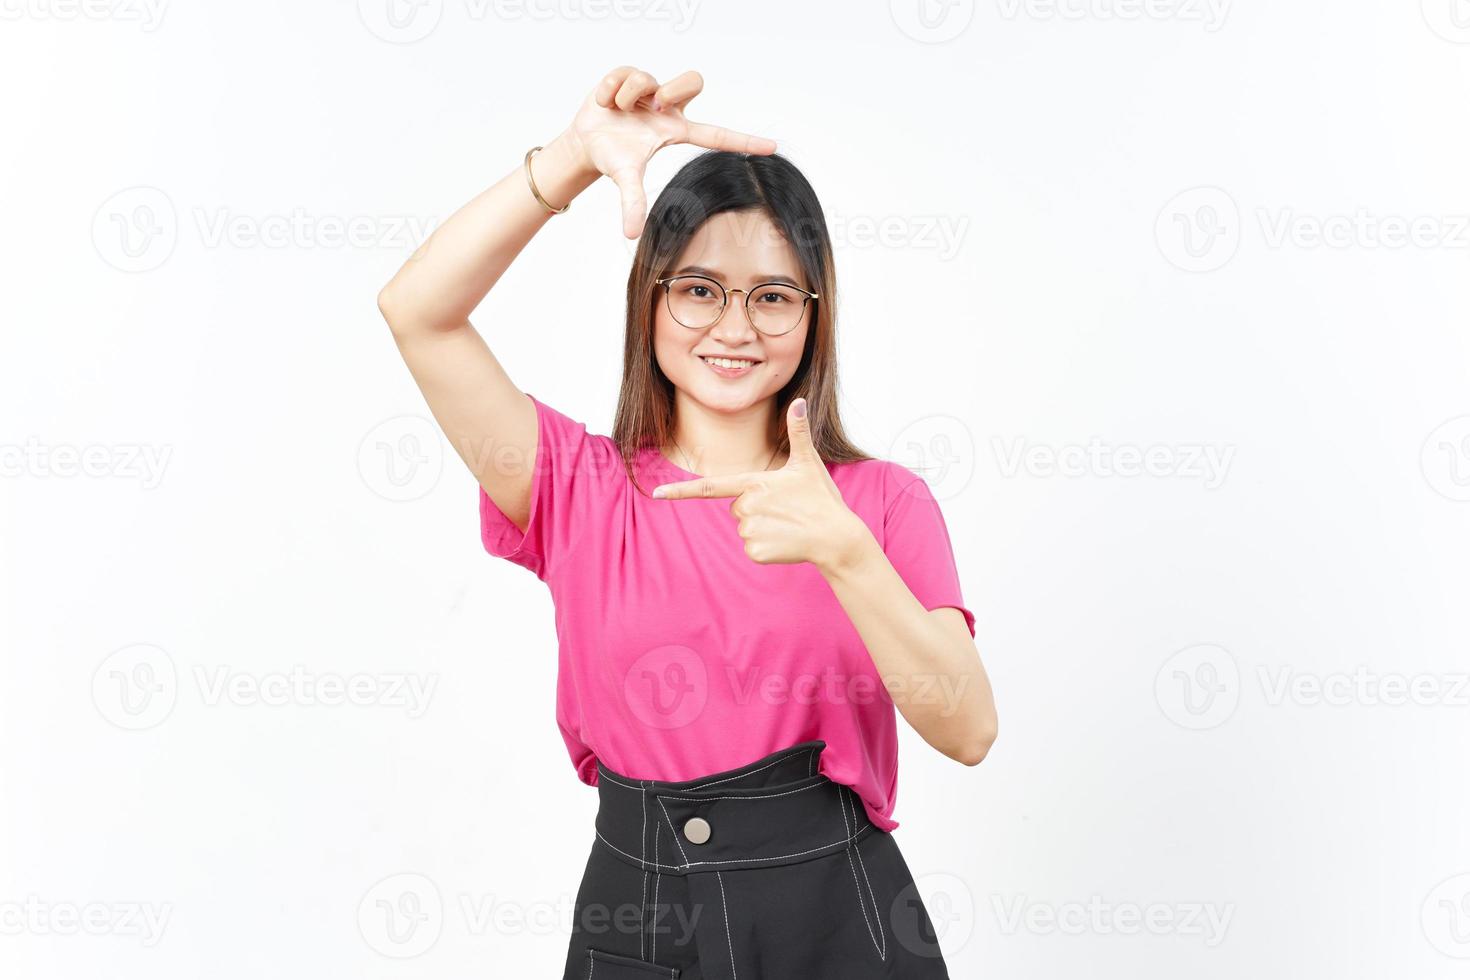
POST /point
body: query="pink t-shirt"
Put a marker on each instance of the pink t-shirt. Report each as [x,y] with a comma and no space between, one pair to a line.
[679,655]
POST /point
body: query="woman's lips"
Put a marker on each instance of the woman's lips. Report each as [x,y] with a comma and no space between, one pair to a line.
[730,372]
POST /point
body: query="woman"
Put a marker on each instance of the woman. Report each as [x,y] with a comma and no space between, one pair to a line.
[734,643]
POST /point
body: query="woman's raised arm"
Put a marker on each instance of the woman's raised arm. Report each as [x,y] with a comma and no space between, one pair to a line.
[427,305]
[485,417]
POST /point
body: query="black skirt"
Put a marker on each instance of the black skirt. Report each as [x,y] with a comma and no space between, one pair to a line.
[770,871]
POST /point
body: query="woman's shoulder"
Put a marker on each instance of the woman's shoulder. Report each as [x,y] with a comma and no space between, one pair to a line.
[884,478]
[876,467]
[573,441]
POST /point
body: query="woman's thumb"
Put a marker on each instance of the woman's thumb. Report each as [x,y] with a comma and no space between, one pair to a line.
[799,433]
[635,202]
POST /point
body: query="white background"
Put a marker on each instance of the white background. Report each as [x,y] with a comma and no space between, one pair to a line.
[1065,233]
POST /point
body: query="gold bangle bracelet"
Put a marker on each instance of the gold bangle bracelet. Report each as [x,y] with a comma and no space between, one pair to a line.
[531,180]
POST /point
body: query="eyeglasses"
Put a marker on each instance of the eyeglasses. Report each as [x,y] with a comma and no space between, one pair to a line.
[697,302]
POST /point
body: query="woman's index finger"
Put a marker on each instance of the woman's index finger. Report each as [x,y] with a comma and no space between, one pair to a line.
[720,138]
[707,487]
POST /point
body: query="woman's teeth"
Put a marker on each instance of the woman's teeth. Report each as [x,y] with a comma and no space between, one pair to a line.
[728,362]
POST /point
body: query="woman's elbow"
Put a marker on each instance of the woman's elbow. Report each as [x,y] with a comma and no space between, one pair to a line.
[390,305]
[974,751]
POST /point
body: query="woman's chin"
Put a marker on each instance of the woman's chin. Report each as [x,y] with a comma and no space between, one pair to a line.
[725,398]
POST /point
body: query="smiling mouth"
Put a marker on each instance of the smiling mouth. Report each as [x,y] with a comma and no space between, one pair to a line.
[729,363]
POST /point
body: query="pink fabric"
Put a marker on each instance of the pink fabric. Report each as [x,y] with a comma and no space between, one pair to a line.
[681,656]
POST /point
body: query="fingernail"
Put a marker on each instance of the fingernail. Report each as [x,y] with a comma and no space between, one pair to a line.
[800,410]
[657,105]
[658,491]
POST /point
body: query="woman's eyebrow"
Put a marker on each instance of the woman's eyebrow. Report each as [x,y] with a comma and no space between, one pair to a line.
[699,270]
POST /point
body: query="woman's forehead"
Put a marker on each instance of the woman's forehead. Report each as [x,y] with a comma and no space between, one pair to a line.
[741,244]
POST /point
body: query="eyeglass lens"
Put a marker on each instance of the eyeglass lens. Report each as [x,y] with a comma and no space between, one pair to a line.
[774,308]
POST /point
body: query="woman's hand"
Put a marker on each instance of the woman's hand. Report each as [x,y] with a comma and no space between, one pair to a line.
[629,117]
[789,515]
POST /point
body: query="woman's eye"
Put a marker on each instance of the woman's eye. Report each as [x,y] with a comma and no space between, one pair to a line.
[777,297]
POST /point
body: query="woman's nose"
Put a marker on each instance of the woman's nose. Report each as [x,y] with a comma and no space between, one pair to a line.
[735,321]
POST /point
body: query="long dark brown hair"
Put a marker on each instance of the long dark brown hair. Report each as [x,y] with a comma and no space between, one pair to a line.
[712,183]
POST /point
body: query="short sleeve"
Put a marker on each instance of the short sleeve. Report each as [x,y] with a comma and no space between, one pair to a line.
[567,480]
[916,541]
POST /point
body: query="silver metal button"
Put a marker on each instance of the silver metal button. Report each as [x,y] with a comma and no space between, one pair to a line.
[696,829]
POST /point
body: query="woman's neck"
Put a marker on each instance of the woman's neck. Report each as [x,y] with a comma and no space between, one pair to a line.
[714,443]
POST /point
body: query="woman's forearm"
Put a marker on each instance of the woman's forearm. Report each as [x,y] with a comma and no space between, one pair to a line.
[450,273]
[926,658]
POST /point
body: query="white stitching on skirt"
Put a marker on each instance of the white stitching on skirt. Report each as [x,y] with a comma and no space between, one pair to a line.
[677,842]
[592,961]
[730,942]
[877,915]
[690,864]
[693,864]
[740,775]
[656,879]
[690,789]
[643,849]
[842,803]
[671,867]
[767,796]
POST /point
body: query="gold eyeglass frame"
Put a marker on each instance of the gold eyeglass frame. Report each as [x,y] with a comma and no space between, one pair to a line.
[725,302]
